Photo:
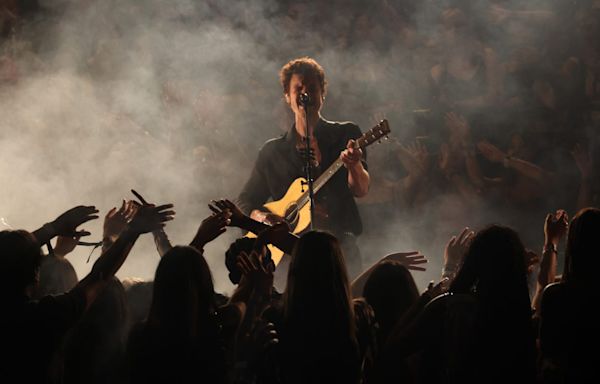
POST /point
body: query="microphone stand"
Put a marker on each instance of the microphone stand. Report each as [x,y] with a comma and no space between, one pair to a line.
[308,168]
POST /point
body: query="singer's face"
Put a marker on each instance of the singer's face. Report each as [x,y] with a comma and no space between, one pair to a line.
[300,84]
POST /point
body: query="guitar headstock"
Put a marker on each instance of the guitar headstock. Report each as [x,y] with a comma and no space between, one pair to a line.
[374,134]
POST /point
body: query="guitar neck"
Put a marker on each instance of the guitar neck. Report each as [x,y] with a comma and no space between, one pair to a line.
[321,181]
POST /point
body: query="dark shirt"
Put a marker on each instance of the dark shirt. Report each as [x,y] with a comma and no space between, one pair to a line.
[157,355]
[279,163]
[320,360]
[460,343]
[569,333]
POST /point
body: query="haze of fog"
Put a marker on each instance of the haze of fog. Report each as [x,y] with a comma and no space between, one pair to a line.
[174,99]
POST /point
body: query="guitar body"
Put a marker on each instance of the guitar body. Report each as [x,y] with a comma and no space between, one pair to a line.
[286,207]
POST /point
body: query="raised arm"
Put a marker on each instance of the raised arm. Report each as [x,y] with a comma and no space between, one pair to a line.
[161,240]
[530,170]
[415,159]
[555,228]
[411,260]
[454,253]
[283,240]
[460,136]
[211,228]
[148,218]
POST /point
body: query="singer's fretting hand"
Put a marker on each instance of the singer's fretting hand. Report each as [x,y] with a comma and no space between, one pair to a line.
[351,156]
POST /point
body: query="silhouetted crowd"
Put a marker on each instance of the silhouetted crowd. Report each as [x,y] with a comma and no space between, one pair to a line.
[477,324]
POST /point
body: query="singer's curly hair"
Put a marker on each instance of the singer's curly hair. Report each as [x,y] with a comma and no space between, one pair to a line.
[305,66]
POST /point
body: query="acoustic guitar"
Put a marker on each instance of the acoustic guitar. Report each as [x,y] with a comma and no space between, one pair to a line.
[294,206]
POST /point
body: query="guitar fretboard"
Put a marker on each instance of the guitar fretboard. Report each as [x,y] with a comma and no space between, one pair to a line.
[320,182]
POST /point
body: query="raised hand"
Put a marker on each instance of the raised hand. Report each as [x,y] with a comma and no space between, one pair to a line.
[414,157]
[419,152]
[491,152]
[457,248]
[458,126]
[237,216]
[66,224]
[116,221]
[211,228]
[254,270]
[411,260]
[433,290]
[150,218]
[65,245]
[265,335]
[555,227]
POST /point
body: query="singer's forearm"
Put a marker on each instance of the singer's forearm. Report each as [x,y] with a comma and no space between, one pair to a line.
[358,180]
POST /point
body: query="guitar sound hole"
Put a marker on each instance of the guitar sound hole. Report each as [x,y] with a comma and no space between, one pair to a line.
[291,215]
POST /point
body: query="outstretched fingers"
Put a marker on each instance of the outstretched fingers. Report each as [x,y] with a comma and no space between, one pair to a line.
[66,224]
[462,234]
[79,234]
[111,213]
[451,242]
[214,209]
[140,198]
[150,218]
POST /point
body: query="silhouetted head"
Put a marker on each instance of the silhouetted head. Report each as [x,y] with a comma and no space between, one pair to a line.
[582,253]
[109,310]
[494,264]
[317,290]
[139,298]
[20,258]
[390,290]
[57,276]
[183,296]
[494,276]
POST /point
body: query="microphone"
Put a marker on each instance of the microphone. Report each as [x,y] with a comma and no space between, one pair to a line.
[304,99]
